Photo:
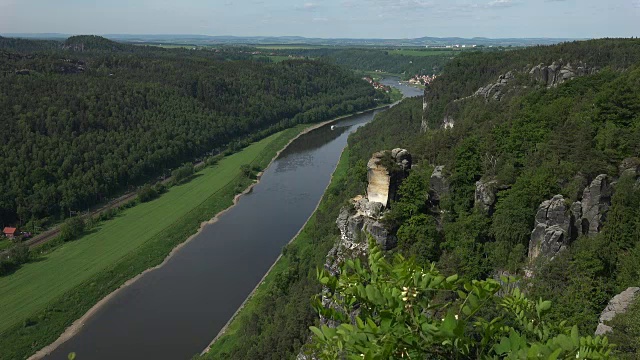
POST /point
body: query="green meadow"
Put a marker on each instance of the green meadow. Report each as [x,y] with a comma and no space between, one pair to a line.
[426,52]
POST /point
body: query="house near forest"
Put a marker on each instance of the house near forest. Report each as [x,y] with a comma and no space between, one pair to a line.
[10,232]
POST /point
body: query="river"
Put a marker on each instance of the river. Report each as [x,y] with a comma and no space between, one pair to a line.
[173,312]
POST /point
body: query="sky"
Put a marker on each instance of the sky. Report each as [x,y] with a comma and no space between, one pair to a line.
[327,18]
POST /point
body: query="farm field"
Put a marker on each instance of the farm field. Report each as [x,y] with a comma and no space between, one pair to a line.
[290,47]
[36,284]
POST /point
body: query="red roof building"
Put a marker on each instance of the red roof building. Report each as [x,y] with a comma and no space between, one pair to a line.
[10,232]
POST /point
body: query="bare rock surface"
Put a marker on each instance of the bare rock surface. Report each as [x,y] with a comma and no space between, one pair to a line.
[617,305]
[552,231]
[485,195]
[596,200]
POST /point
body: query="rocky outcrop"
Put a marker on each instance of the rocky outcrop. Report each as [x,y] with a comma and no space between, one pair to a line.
[448,122]
[617,305]
[596,200]
[384,177]
[425,108]
[630,167]
[557,72]
[495,91]
[439,184]
[386,170]
[552,231]
[362,218]
[355,225]
[485,195]
[557,225]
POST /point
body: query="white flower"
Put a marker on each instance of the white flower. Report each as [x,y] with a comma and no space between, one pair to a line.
[456,317]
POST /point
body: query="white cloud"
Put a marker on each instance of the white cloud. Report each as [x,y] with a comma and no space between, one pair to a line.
[500,3]
[309,6]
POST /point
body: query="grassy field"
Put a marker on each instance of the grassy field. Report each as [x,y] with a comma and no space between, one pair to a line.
[42,298]
[306,243]
[289,47]
[4,243]
[416,52]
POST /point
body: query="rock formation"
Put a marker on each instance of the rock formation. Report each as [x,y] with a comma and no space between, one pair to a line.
[596,200]
[363,217]
[617,305]
[630,167]
[384,178]
[552,231]
[425,108]
[448,122]
[485,195]
[557,72]
[556,225]
[439,184]
[495,91]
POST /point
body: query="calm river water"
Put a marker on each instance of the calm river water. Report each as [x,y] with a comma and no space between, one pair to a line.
[175,311]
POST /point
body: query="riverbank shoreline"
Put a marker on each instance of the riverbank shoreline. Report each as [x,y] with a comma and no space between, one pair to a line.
[78,324]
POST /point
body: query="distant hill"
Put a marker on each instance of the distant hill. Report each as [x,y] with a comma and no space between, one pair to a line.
[284,40]
[93,42]
[25,45]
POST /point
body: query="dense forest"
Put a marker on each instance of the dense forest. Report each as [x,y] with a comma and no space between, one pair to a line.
[533,142]
[384,60]
[89,118]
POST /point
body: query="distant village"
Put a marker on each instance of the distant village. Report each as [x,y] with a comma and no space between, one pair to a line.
[376,85]
[422,79]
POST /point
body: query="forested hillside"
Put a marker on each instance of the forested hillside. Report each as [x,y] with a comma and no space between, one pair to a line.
[88,118]
[528,145]
[385,60]
[524,146]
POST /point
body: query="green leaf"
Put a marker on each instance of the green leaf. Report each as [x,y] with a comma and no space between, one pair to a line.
[503,347]
[545,305]
[317,331]
[555,354]
[448,325]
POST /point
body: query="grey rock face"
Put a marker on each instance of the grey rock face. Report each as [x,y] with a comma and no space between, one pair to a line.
[439,184]
[495,91]
[425,111]
[552,232]
[576,219]
[485,195]
[617,305]
[558,72]
[596,200]
[630,167]
[448,122]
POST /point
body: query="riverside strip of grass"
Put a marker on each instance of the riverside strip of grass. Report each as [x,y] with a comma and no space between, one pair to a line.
[274,321]
[40,300]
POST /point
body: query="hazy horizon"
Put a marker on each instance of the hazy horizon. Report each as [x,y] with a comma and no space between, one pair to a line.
[382,19]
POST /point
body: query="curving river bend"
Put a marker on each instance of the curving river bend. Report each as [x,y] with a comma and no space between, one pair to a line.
[173,312]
